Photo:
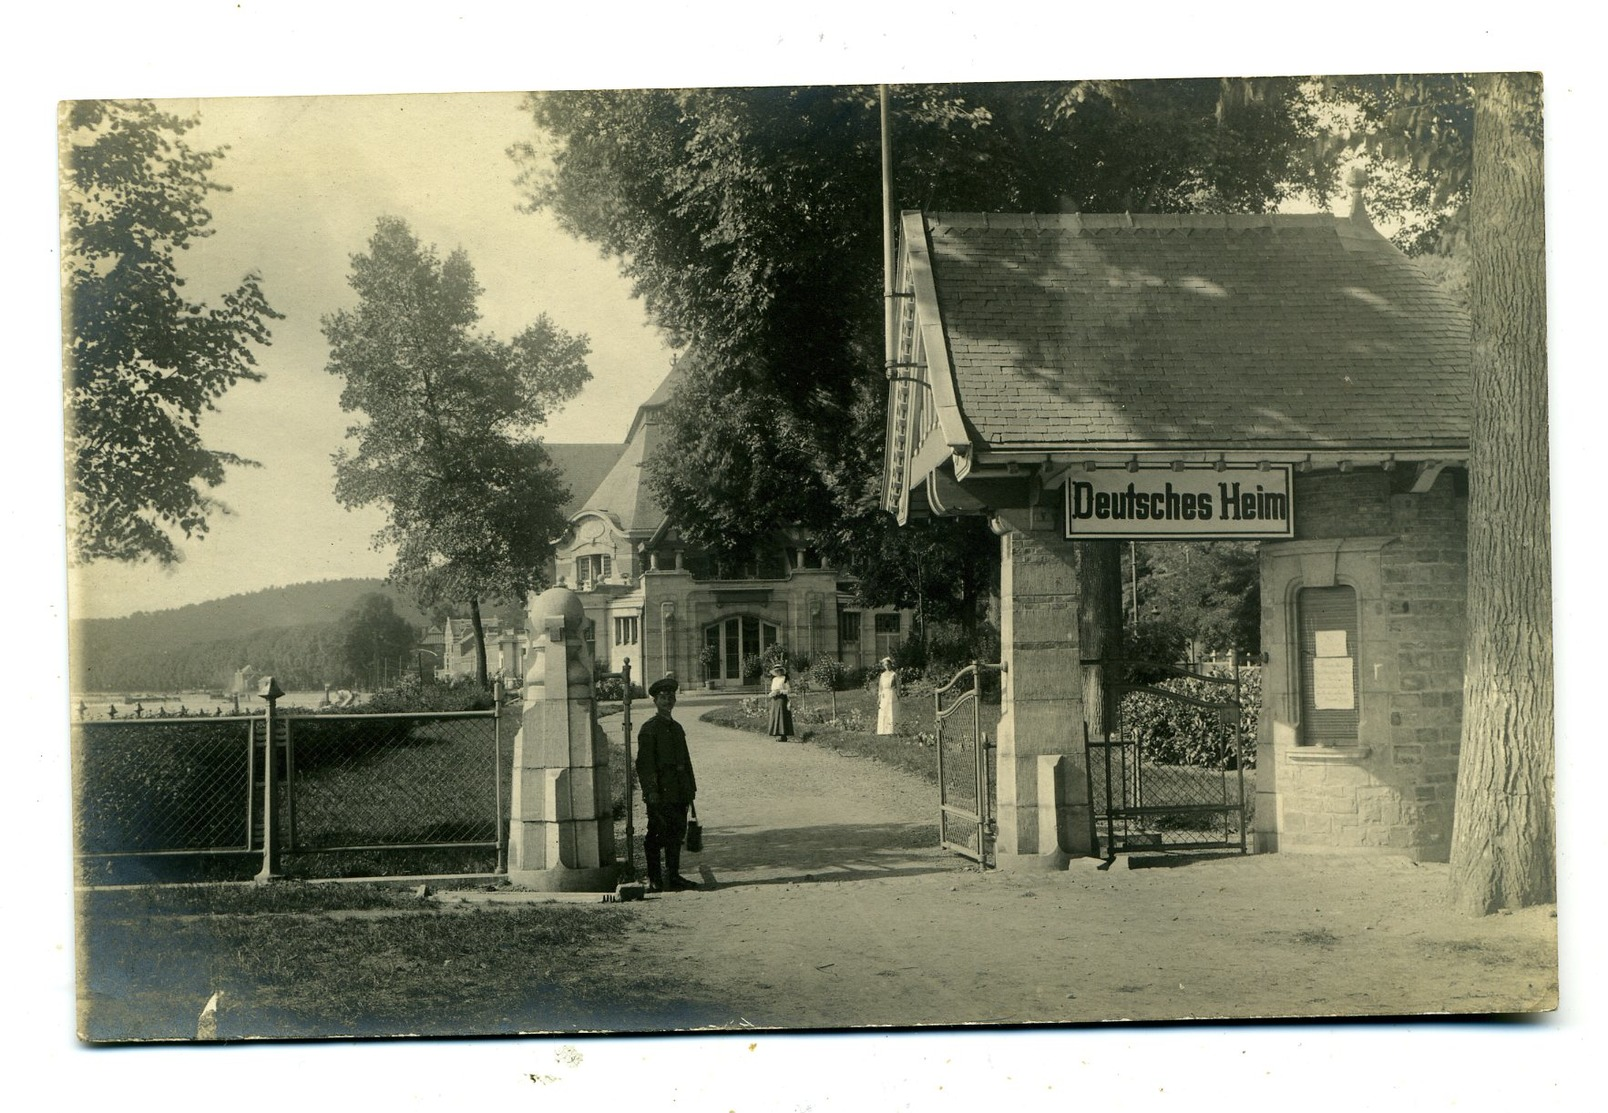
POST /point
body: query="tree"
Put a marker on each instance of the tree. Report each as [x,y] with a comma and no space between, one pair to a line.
[447,442]
[373,636]
[1475,146]
[749,221]
[143,362]
[1503,841]
[1416,132]
[1208,593]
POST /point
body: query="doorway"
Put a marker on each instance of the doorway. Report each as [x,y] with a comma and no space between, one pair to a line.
[737,638]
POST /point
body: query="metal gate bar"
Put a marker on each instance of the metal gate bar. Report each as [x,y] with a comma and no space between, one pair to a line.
[977,822]
[1150,805]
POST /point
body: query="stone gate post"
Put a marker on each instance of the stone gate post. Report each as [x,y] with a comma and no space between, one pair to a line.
[561,829]
[1043,806]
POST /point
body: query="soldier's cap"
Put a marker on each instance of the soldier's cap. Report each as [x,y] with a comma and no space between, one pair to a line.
[663,684]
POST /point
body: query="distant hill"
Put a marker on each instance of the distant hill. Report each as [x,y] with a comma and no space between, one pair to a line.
[200,645]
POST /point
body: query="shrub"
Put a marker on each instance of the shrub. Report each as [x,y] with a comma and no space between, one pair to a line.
[827,673]
[708,661]
[462,693]
[753,665]
[611,689]
[951,647]
[1171,733]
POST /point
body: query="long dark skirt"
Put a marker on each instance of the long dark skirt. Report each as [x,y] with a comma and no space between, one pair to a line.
[781,719]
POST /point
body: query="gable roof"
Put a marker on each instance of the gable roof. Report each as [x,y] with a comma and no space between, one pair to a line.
[1276,333]
[584,466]
[615,484]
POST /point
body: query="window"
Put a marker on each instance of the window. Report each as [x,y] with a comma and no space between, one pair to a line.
[1327,617]
[594,568]
[738,638]
[625,630]
[848,628]
[887,634]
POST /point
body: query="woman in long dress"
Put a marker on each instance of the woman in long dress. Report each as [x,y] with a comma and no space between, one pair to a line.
[887,696]
[781,719]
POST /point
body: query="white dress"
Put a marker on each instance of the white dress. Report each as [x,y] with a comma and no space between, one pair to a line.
[887,697]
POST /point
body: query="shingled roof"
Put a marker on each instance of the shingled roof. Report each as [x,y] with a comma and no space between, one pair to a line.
[619,489]
[1283,333]
[584,466]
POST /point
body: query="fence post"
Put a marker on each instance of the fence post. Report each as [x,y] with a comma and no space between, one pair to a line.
[269,690]
[630,780]
[498,694]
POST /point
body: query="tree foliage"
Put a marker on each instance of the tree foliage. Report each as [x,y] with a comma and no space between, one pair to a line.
[374,639]
[447,442]
[143,361]
[749,221]
[1416,135]
[1202,593]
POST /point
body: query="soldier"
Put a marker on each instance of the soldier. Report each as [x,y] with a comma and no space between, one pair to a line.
[664,769]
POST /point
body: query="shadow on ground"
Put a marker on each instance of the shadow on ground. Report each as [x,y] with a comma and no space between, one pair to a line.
[818,846]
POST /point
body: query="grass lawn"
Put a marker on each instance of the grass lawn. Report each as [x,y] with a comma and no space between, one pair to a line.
[847,722]
[296,961]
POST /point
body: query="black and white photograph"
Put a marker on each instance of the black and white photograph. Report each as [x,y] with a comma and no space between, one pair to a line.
[659,571]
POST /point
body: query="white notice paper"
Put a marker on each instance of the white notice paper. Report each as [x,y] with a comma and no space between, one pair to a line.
[1331,684]
[1331,643]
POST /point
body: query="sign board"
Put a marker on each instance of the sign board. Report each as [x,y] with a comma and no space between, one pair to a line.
[1198,503]
[1332,689]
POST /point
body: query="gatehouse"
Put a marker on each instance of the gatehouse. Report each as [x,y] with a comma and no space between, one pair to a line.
[1081,380]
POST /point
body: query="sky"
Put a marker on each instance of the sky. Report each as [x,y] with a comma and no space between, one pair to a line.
[309,177]
[189,48]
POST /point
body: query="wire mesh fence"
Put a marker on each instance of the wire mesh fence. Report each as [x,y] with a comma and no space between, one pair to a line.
[1171,776]
[164,786]
[349,792]
[366,781]
[1142,805]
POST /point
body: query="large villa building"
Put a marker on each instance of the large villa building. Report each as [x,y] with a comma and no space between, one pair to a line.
[653,599]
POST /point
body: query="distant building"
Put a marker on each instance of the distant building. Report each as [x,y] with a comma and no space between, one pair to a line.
[652,597]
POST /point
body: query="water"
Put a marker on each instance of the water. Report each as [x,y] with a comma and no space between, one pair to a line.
[97,705]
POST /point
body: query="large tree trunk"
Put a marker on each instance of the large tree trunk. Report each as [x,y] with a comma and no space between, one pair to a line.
[1099,628]
[480,643]
[1502,832]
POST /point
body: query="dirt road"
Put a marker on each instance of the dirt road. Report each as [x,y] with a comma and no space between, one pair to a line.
[826,904]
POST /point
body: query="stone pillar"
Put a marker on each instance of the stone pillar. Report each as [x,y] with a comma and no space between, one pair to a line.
[1043,802]
[561,830]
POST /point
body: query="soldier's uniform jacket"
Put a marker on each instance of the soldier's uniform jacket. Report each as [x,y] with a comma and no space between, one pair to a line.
[664,767]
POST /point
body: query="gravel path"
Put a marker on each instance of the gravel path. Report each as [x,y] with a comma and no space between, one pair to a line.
[827,904]
[778,812]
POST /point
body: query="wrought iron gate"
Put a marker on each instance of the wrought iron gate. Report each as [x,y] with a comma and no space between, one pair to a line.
[1145,797]
[965,766]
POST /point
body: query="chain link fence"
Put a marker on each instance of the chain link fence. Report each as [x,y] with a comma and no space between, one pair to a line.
[160,786]
[1171,776]
[352,794]
[362,782]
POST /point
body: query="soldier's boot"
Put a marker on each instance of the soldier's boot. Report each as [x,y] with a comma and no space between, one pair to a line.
[672,871]
[655,872]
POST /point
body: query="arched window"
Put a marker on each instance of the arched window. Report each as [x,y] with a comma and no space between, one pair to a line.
[1327,618]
